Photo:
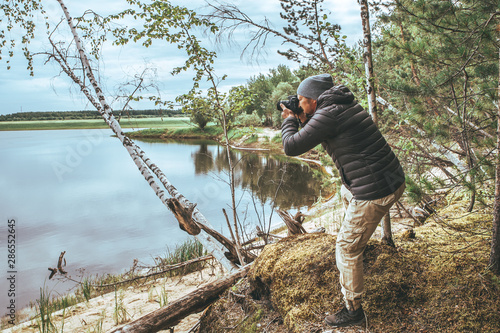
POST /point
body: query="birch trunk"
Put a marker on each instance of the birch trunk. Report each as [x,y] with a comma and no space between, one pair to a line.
[386,235]
[372,98]
[139,157]
[367,58]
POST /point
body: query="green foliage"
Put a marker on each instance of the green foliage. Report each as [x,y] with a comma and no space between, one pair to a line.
[252,139]
[413,190]
[86,288]
[437,63]
[163,296]
[236,103]
[321,43]
[267,90]
[198,107]
[120,314]
[19,17]
[200,119]
[249,119]
[276,138]
[44,312]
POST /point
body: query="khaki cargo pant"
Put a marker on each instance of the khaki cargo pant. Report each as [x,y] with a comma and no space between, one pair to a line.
[360,221]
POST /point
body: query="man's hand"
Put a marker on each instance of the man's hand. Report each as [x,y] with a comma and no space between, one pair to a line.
[286,112]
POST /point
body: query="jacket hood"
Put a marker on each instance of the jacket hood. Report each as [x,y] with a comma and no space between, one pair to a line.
[336,95]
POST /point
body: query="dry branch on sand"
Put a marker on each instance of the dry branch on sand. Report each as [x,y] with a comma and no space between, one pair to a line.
[168,316]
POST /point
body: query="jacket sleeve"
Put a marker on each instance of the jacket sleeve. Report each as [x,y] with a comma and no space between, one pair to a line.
[318,129]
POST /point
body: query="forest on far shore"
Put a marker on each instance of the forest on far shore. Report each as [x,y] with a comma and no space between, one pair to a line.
[66,115]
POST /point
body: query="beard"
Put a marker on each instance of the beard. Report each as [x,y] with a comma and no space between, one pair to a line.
[308,117]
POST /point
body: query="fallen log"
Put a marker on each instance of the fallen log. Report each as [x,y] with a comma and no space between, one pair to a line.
[194,302]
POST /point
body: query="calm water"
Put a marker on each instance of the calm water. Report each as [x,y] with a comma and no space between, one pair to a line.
[79,191]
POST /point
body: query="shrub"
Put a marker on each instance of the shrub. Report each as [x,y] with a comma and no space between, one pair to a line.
[249,119]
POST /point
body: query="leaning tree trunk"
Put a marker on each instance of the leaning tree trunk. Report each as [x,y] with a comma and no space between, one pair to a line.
[494,263]
[139,157]
[372,98]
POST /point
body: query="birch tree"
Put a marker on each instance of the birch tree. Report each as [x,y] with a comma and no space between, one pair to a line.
[368,60]
[160,22]
[372,96]
[82,73]
[192,220]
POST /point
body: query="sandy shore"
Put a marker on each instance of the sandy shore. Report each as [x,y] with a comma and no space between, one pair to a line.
[98,314]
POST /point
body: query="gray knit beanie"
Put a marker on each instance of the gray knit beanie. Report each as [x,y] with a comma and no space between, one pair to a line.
[315,85]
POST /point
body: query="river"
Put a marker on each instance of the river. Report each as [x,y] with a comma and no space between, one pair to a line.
[79,191]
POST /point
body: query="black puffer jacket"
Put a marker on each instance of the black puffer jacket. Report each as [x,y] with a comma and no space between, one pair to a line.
[366,163]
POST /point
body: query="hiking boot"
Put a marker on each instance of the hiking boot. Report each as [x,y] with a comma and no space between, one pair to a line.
[346,317]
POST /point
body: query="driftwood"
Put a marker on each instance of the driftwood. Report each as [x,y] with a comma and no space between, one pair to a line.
[187,223]
[60,265]
[184,216]
[294,224]
[53,272]
[231,255]
[170,315]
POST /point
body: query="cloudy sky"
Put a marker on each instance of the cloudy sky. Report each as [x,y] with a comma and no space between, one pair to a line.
[49,90]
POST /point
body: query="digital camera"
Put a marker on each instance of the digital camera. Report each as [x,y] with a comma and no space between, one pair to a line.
[292,103]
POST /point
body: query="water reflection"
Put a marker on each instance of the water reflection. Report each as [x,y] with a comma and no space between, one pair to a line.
[268,177]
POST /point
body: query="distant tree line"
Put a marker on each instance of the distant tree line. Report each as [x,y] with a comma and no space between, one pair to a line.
[66,115]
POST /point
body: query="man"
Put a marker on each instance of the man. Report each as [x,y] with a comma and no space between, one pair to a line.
[372,177]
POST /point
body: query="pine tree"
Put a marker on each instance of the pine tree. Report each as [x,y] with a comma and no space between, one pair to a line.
[494,262]
[438,61]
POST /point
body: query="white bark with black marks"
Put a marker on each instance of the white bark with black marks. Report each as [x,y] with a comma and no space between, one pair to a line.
[367,58]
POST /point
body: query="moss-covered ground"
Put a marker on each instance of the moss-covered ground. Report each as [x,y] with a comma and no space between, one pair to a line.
[436,281]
